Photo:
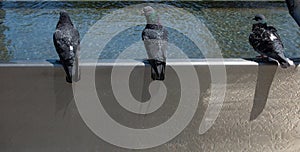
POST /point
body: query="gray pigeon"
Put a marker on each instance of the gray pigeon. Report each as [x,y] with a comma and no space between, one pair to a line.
[294,9]
[155,38]
[265,40]
[67,43]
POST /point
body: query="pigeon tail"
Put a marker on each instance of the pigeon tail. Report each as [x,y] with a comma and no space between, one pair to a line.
[72,73]
[68,79]
[157,69]
[285,63]
[68,70]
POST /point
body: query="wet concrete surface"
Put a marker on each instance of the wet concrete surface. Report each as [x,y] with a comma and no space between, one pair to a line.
[260,112]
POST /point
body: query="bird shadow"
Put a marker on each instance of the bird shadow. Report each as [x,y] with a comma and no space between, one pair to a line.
[63,94]
[54,62]
[265,76]
[63,90]
[143,94]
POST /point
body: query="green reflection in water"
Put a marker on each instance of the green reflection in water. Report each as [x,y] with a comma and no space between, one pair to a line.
[5,54]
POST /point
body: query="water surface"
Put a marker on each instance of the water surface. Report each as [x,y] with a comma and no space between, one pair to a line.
[26,28]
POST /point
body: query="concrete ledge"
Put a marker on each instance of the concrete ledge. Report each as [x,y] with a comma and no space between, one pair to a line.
[166,0]
[260,111]
[120,62]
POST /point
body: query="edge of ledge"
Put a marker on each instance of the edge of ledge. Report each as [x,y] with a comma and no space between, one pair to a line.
[133,62]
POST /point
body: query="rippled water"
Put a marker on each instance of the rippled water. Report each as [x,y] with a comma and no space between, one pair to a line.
[26,28]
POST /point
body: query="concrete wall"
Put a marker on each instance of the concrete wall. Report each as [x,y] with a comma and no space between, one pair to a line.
[261,110]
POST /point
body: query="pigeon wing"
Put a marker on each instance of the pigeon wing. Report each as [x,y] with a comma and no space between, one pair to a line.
[274,46]
[62,45]
[273,40]
[66,43]
[273,31]
[156,43]
[255,41]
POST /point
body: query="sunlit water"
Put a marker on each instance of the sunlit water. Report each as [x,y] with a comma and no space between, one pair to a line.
[26,28]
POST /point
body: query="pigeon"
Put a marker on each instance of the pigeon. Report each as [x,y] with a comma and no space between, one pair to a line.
[67,44]
[155,38]
[265,40]
[294,9]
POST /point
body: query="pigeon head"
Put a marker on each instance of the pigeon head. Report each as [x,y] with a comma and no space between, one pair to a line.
[151,15]
[260,18]
[64,18]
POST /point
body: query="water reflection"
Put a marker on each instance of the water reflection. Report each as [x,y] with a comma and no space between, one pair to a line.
[30,26]
[5,54]
[120,42]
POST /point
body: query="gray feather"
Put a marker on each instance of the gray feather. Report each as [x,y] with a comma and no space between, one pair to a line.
[67,44]
[266,41]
